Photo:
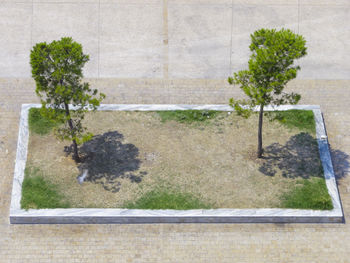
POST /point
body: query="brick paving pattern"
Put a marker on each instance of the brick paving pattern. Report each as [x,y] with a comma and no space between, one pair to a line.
[177,242]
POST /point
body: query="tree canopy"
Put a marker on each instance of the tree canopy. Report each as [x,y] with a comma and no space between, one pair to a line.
[270,67]
[57,69]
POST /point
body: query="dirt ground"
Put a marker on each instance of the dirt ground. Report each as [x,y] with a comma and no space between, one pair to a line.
[134,152]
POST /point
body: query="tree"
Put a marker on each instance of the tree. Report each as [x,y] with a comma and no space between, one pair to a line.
[270,67]
[57,71]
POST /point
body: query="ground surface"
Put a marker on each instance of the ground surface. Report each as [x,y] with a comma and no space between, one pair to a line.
[173,38]
[192,39]
[177,242]
[133,153]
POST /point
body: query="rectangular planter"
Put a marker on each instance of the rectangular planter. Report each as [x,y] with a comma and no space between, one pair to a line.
[131,216]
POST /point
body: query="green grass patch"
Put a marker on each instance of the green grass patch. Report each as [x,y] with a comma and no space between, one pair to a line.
[311,194]
[163,199]
[300,119]
[188,116]
[37,193]
[39,124]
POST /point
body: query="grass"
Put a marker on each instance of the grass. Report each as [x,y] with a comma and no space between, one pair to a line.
[311,194]
[194,163]
[300,119]
[37,193]
[188,116]
[38,124]
[164,199]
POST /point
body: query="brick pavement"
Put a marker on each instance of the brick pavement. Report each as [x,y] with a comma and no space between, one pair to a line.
[177,242]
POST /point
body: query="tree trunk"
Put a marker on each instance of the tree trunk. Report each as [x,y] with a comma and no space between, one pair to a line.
[261,115]
[75,145]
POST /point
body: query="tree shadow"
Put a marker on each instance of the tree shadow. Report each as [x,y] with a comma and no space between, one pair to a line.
[108,160]
[299,157]
[341,164]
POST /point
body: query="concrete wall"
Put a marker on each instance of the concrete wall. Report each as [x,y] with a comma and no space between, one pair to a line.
[173,38]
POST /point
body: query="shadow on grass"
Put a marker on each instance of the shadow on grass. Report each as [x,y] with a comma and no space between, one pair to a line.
[298,158]
[107,160]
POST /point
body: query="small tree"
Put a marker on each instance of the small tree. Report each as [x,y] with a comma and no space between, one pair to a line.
[270,67]
[57,71]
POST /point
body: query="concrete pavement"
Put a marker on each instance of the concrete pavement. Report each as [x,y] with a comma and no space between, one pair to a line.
[173,38]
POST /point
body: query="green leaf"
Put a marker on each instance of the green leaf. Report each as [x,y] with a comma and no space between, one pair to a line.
[57,69]
[270,68]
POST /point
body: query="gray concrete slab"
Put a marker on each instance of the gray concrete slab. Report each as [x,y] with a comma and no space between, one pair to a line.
[327,32]
[249,18]
[15,28]
[132,2]
[65,1]
[200,2]
[199,40]
[131,40]
[53,20]
[325,2]
[266,2]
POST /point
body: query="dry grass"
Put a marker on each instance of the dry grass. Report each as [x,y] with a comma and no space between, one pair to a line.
[134,152]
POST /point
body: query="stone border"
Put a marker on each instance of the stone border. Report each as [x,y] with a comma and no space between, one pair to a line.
[130,216]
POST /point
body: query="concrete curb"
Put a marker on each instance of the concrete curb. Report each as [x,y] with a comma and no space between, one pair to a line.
[130,216]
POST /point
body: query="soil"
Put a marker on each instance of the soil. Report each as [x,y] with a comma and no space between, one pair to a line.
[134,152]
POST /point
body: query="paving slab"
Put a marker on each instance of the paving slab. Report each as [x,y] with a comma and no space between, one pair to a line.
[324,2]
[199,40]
[131,40]
[53,20]
[15,44]
[327,32]
[247,18]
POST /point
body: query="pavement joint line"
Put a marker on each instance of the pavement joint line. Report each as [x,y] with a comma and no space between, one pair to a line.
[165,40]
[98,38]
[231,42]
[31,24]
[299,16]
